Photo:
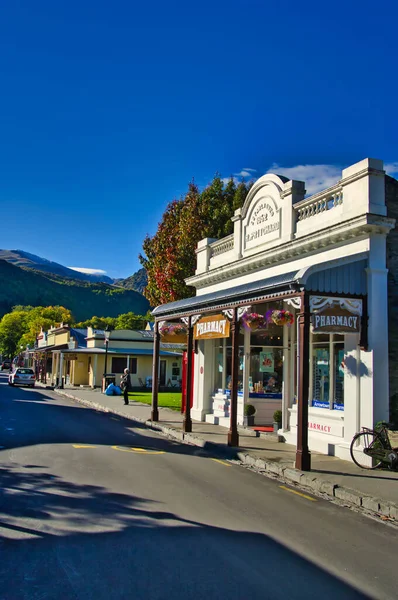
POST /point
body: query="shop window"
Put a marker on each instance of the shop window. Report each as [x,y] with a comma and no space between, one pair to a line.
[133,365]
[338,376]
[119,363]
[320,376]
[266,371]
[327,382]
[223,356]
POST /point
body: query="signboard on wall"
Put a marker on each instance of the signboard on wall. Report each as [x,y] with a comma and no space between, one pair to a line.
[263,223]
[70,356]
[335,319]
[211,327]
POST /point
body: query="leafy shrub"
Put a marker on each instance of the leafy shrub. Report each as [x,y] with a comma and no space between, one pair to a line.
[250,410]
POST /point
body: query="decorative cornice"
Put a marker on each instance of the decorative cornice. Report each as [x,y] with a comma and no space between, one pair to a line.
[323,239]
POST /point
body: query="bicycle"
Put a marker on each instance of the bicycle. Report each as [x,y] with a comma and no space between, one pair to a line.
[371,448]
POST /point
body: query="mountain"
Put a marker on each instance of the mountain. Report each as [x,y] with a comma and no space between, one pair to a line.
[25,286]
[137,282]
[20,258]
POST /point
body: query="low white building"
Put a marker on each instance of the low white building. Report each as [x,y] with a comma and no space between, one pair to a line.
[322,259]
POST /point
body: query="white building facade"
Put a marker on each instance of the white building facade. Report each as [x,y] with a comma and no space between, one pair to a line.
[303,285]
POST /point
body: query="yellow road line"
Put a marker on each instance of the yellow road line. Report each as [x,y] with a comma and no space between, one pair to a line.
[83,446]
[222,462]
[137,450]
[283,487]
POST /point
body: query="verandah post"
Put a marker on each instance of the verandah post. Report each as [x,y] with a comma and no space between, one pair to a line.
[155,373]
[303,456]
[233,435]
[187,422]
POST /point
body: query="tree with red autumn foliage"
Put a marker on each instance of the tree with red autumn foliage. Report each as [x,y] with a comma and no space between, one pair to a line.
[170,254]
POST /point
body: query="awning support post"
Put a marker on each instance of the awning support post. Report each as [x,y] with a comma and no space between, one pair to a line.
[303,456]
[155,373]
[187,422]
[233,435]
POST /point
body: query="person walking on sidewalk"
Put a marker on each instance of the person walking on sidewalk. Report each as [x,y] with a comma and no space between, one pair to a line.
[125,385]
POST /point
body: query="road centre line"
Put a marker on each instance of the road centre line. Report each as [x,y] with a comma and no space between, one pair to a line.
[138,450]
[287,489]
[83,446]
[124,449]
[222,462]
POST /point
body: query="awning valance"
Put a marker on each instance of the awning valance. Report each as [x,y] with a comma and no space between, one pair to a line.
[232,295]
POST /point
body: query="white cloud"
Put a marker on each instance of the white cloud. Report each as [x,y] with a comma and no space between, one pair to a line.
[391,168]
[237,177]
[316,177]
[88,271]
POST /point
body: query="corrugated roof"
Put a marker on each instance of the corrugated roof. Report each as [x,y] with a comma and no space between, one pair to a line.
[235,294]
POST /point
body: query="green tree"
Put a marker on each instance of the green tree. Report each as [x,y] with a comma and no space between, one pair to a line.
[12,328]
[130,321]
[23,324]
[97,323]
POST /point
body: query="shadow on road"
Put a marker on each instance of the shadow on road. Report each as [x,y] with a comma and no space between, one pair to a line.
[138,551]
[29,417]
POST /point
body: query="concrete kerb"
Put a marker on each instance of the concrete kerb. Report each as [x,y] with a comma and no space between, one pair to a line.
[290,475]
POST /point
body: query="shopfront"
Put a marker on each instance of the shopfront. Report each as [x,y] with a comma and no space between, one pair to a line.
[291,313]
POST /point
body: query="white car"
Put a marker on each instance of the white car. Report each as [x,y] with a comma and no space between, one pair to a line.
[22,376]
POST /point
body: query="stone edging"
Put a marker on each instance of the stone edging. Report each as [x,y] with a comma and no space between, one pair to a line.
[290,475]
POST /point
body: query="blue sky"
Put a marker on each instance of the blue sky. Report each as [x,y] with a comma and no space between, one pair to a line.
[108,110]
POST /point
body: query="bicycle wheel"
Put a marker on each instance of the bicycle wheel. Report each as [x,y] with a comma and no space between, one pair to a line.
[361,441]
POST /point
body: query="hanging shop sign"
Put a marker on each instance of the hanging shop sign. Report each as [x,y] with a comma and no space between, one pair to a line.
[335,315]
[212,327]
[335,320]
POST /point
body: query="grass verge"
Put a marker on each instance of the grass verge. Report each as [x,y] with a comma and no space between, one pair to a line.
[165,399]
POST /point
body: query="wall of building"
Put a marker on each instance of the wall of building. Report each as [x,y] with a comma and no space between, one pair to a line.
[392,265]
[79,370]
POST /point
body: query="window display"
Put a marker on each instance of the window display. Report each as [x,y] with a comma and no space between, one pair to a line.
[327,371]
[266,371]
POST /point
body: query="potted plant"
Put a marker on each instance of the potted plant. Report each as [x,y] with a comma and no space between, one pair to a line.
[249,412]
[277,420]
[280,317]
[253,321]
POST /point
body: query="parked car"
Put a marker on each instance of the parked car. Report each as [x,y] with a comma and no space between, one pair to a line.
[22,376]
[6,365]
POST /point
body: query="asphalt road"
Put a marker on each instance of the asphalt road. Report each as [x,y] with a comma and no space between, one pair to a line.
[96,507]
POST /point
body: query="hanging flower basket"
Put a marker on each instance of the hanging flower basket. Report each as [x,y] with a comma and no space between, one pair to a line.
[280,317]
[174,329]
[253,321]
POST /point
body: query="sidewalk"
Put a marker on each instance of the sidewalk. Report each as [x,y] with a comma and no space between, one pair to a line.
[374,491]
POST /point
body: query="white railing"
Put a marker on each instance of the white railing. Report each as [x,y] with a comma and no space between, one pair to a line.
[221,246]
[318,203]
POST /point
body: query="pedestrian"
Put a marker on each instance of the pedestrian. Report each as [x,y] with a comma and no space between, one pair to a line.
[125,385]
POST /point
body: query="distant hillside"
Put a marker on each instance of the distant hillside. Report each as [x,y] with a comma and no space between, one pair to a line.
[19,285]
[137,282]
[20,258]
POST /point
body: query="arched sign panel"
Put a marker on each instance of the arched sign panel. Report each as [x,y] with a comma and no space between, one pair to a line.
[263,223]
